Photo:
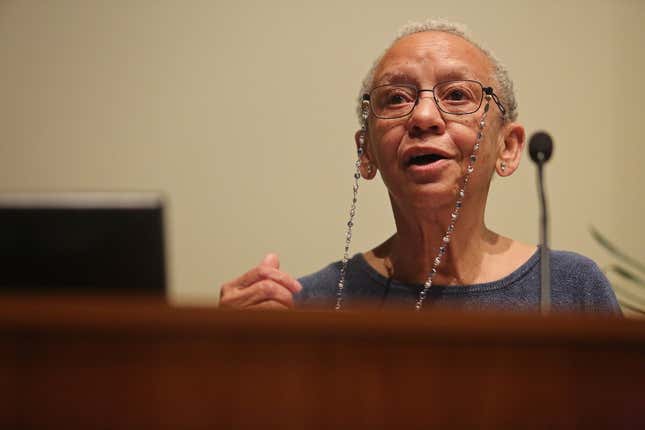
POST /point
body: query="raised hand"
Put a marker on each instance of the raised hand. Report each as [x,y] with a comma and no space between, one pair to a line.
[262,287]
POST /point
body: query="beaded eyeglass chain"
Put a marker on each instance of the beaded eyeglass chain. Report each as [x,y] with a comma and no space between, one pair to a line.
[443,248]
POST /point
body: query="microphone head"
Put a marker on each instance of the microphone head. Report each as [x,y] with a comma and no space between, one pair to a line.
[540,147]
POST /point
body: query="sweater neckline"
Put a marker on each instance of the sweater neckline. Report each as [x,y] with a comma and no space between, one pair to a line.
[504,282]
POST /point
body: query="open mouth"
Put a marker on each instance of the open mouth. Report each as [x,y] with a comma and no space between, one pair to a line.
[422,160]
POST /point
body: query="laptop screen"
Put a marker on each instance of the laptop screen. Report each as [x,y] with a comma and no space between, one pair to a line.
[106,243]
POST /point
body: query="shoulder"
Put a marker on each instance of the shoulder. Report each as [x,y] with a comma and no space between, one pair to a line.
[318,288]
[578,279]
[570,257]
[570,265]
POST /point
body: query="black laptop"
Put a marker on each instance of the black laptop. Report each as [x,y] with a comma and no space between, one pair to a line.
[104,243]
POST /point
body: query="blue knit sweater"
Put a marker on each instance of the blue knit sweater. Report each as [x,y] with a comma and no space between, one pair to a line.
[577,285]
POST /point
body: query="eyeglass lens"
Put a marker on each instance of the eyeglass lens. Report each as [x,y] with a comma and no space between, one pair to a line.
[455,97]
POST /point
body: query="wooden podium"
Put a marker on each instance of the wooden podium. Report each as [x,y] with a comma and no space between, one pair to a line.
[98,363]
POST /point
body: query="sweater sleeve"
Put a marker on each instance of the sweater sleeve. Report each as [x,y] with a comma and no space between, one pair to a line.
[578,283]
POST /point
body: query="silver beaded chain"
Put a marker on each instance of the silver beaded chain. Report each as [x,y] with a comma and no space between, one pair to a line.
[352,209]
[443,248]
[456,211]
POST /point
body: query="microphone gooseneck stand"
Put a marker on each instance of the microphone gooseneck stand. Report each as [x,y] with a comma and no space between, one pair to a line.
[540,150]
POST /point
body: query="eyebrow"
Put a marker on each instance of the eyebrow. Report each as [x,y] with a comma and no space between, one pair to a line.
[458,73]
[395,78]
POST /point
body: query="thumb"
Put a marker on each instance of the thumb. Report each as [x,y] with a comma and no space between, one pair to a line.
[271,260]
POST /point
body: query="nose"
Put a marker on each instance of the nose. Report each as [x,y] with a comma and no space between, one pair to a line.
[426,117]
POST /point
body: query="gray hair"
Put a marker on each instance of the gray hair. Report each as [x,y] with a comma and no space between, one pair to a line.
[505,93]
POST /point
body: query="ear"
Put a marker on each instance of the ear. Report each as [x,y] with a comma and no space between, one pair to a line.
[510,149]
[367,168]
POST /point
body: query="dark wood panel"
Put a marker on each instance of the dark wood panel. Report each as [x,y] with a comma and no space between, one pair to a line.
[135,363]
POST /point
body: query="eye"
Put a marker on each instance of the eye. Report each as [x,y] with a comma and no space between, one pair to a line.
[397,96]
[458,92]
[455,95]
[393,101]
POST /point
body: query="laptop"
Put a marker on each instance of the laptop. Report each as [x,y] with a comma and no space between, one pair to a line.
[82,243]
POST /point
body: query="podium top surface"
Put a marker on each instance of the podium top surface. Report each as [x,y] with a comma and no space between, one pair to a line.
[145,316]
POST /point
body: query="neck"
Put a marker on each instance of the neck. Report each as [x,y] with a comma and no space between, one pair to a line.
[412,250]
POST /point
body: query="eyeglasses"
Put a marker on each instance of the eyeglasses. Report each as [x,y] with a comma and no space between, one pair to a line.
[452,97]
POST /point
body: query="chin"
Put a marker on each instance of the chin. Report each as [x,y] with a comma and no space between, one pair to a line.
[431,196]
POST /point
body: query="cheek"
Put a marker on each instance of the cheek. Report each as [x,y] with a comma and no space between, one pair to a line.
[468,136]
[384,143]
[491,141]
[463,134]
[487,159]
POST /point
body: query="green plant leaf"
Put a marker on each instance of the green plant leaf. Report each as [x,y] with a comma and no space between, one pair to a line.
[627,274]
[615,251]
[631,308]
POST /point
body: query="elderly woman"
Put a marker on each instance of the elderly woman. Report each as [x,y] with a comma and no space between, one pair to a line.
[438,121]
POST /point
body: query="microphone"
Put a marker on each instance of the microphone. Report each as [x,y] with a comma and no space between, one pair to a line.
[540,147]
[540,150]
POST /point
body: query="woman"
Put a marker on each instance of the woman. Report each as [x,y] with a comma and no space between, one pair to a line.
[437,116]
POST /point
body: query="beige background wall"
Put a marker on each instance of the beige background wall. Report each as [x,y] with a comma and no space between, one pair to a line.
[242,114]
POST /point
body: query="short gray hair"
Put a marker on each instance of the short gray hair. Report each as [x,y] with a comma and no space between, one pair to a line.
[505,92]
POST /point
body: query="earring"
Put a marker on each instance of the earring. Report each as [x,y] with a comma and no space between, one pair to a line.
[369,169]
[503,166]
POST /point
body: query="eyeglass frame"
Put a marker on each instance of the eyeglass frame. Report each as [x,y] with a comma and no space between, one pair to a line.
[485,91]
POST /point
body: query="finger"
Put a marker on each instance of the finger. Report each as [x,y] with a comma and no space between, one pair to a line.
[260,291]
[271,260]
[265,272]
[267,290]
[269,305]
